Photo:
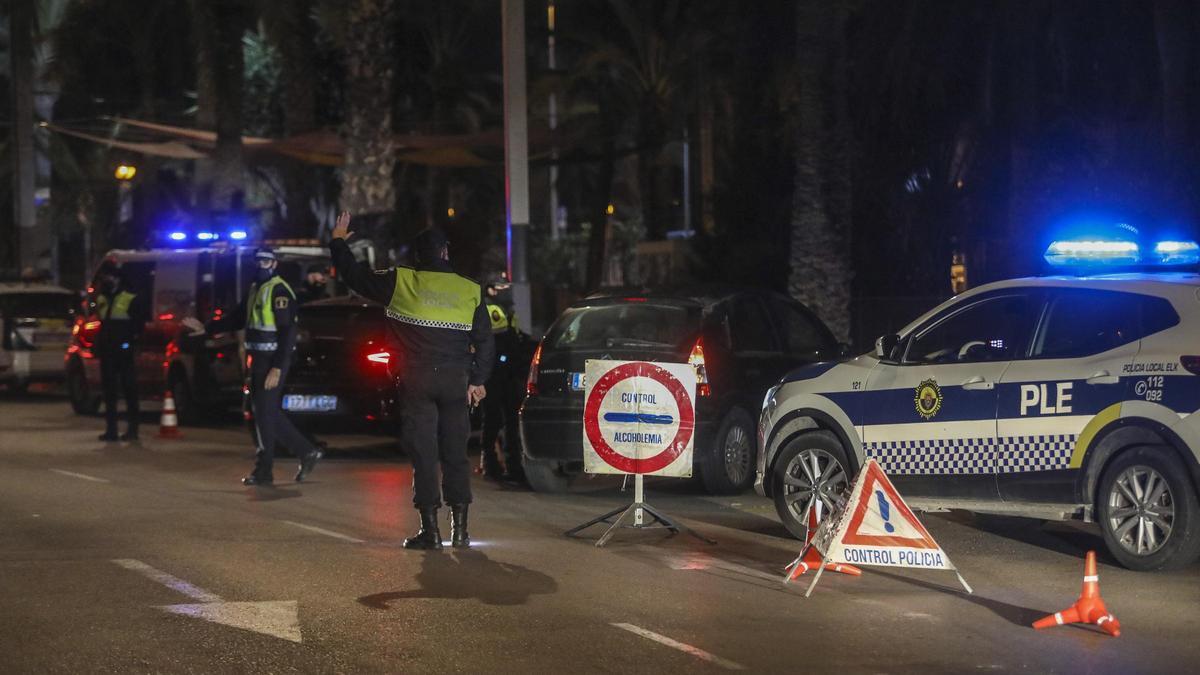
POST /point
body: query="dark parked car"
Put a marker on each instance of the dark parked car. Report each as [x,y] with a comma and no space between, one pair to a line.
[340,369]
[742,341]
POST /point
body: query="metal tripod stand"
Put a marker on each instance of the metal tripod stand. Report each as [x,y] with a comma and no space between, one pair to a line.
[637,512]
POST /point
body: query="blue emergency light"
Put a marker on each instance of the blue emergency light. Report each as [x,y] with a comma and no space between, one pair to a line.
[177,236]
[237,235]
[1177,252]
[206,236]
[1110,252]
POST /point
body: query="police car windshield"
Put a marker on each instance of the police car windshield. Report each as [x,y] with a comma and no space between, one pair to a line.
[624,325]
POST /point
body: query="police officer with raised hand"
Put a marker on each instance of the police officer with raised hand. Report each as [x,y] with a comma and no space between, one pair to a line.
[269,317]
[123,314]
[435,318]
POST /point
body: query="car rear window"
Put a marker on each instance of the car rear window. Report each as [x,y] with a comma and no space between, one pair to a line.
[38,305]
[1086,322]
[624,325]
[342,320]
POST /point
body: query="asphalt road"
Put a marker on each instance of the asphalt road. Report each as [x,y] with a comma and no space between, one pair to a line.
[152,558]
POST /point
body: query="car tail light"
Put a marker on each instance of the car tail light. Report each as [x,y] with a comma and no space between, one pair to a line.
[696,359]
[86,332]
[379,357]
[1191,364]
[531,383]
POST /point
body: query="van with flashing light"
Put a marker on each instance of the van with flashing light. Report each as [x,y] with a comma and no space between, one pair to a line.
[35,328]
[203,375]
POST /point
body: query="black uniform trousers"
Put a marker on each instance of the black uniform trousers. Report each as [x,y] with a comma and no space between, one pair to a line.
[434,427]
[118,376]
[271,424]
[500,412]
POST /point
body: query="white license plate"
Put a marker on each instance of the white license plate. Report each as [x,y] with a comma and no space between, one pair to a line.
[577,382]
[309,403]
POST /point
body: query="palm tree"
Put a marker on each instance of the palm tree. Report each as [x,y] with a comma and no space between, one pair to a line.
[820,263]
[290,28]
[647,54]
[217,27]
[369,47]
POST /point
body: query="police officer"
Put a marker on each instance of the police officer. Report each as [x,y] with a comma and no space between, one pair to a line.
[269,316]
[123,314]
[500,407]
[435,318]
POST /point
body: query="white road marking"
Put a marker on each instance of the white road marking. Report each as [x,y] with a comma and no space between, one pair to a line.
[174,583]
[277,618]
[84,476]
[327,533]
[683,647]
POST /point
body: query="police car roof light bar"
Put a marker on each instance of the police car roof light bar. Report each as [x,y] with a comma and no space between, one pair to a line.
[1180,252]
[1093,252]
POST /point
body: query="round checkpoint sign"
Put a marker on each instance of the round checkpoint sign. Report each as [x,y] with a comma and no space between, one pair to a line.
[638,417]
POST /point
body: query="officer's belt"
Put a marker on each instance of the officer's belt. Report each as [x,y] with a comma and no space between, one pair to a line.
[263,329]
[262,346]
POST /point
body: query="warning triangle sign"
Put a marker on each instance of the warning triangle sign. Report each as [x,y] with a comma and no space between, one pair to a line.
[877,528]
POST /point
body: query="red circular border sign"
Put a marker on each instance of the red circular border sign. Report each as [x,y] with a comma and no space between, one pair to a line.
[591,418]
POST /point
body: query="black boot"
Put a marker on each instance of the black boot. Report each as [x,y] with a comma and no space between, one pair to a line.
[307,464]
[458,526]
[428,538]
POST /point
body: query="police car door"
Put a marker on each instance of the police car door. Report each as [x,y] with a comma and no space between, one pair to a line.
[930,418]
[1086,340]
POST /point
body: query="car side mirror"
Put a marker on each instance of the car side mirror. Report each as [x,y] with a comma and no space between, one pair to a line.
[886,345]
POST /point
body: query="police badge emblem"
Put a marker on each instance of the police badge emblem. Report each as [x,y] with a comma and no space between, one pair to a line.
[928,399]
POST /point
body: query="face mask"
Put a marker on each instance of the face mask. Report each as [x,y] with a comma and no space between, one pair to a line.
[265,274]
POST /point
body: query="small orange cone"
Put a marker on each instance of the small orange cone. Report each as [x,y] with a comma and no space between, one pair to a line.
[811,559]
[168,426]
[1089,608]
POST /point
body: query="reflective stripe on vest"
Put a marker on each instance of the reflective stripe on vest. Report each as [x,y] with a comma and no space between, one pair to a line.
[119,309]
[261,316]
[433,299]
[500,320]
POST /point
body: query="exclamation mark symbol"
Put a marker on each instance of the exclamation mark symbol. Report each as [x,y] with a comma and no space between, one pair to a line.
[885,511]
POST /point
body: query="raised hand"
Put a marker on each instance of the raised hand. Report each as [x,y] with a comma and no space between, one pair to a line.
[341,229]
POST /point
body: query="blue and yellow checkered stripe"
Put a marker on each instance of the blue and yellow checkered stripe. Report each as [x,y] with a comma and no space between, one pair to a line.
[1013,454]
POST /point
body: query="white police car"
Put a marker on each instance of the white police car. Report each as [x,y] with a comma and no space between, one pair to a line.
[1049,397]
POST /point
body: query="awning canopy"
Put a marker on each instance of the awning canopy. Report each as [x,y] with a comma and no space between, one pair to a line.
[322,147]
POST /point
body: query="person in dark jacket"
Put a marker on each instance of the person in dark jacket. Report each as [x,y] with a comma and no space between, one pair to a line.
[435,318]
[504,401]
[123,314]
[269,318]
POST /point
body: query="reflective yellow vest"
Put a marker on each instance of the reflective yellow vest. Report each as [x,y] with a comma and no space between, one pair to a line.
[501,321]
[261,313]
[433,299]
[120,306]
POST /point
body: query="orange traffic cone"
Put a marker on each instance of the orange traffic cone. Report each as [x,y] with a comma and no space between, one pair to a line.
[810,558]
[1089,608]
[168,426]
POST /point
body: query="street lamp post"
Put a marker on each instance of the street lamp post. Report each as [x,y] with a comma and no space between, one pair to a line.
[516,158]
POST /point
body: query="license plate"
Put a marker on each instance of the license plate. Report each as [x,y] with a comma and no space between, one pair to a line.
[577,382]
[309,403]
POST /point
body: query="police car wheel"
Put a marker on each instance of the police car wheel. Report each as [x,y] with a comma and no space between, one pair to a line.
[546,476]
[730,468]
[810,473]
[1148,510]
